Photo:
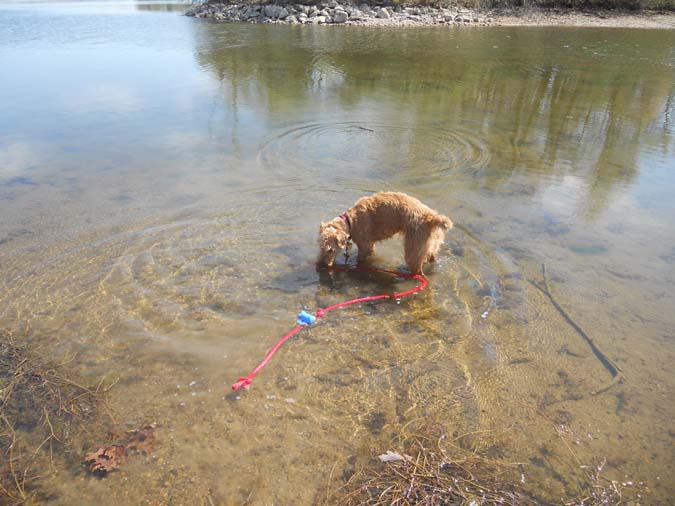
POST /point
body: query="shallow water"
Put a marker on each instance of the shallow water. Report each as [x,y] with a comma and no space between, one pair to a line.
[161,183]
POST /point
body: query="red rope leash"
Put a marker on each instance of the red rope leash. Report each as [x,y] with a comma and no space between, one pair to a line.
[246,381]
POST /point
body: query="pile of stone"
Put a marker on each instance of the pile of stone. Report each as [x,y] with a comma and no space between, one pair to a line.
[330,12]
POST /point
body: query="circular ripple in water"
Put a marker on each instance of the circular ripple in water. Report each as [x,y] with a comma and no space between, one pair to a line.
[373,151]
[160,281]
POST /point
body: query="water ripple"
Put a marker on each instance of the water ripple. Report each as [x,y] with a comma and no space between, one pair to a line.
[370,151]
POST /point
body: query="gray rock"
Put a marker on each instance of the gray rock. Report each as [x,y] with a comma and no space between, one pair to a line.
[251,12]
[383,14]
[340,17]
[319,20]
[275,11]
[291,19]
[270,11]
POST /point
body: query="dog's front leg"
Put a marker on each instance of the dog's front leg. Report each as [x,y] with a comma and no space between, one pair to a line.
[366,248]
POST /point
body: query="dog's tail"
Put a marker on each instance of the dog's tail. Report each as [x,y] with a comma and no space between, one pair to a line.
[438,220]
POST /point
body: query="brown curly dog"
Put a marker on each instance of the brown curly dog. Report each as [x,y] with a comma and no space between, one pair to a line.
[379,217]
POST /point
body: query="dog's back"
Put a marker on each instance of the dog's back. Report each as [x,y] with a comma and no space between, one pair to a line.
[389,213]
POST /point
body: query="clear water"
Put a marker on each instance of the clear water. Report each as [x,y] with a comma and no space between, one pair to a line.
[162,179]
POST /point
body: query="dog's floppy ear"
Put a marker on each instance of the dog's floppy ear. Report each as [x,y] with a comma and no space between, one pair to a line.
[342,239]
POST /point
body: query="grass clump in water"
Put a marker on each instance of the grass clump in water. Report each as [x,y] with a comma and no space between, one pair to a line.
[425,473]
[41,412]
[429,476]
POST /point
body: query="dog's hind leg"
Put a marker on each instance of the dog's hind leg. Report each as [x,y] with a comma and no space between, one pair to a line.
[421,245]
[434,244]
[415,248]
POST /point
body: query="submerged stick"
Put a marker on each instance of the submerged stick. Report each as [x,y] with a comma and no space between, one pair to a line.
[609,364]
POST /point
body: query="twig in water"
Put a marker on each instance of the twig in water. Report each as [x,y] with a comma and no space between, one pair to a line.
[609,364]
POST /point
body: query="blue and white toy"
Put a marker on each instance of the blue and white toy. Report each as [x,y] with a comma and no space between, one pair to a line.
[304,318]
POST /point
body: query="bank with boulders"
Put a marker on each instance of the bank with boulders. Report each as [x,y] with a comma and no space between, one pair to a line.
[330,12]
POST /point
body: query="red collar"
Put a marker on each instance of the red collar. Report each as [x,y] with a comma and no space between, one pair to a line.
[346,219]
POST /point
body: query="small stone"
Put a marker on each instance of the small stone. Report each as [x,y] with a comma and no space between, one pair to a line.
[383,14]
[340,17]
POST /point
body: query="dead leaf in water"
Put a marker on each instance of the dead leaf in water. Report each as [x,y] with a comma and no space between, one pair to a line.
[104,460]
[142,439]
[109,458]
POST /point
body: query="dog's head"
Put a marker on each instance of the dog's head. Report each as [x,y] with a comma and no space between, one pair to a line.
[333,237]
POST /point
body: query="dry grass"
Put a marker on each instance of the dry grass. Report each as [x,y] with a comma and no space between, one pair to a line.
[431,477]
[427,474]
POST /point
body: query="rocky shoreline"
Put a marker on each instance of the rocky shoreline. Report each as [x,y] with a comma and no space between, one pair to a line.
[329,12]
